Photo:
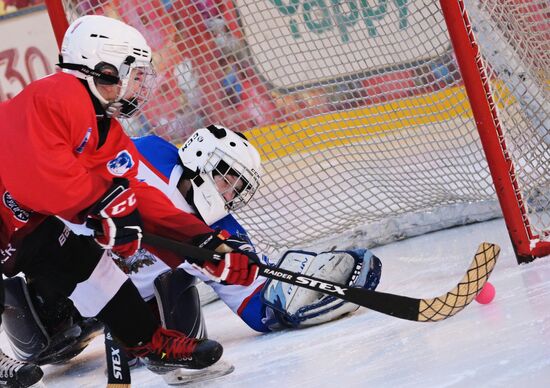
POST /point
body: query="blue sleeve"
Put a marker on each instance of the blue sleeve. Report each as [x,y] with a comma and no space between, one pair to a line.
[254,314]
[161,154]
[230,224]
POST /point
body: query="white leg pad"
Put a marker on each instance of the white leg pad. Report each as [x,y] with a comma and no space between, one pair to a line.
[91,295]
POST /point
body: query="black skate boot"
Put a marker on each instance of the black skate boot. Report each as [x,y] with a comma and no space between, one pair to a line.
[18,374]
[170,348]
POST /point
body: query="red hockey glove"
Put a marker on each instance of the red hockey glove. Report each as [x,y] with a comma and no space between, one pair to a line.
[116,219]
[236,267]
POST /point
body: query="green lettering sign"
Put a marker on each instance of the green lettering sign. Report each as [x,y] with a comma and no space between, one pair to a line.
[322,16]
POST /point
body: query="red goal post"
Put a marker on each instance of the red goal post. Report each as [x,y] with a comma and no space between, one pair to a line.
[375,121]
[477,83]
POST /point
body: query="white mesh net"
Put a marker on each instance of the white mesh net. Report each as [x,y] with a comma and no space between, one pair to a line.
[357,106]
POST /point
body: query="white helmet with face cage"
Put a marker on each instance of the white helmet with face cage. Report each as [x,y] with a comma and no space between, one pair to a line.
[224,169]
[102,50]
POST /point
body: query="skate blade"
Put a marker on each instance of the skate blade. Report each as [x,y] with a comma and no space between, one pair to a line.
[38,384]
[182,376]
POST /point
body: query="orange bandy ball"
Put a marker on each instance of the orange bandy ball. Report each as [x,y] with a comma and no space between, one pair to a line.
[487,294]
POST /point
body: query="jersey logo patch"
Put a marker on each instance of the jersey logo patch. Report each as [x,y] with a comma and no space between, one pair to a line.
[84,141]
[19,214]
[121,164]
[132,264]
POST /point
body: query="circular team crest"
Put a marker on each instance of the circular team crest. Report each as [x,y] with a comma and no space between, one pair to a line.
[121,164]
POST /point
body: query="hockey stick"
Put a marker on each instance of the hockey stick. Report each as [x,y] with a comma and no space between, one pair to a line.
[421,310]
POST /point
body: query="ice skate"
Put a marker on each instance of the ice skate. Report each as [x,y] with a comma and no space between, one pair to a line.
[19,374]
[170,349]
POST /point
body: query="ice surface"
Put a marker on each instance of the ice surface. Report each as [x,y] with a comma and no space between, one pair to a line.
[503,344]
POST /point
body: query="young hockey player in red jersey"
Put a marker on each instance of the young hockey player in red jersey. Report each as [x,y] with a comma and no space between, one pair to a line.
[63,153]
[214,173]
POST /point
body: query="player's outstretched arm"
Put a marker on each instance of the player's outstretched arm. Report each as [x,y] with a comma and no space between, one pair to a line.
[404,307]
[160,216]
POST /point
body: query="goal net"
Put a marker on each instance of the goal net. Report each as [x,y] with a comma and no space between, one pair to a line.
[358,108]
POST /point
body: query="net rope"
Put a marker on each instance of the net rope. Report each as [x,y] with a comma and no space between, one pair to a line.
[359,110]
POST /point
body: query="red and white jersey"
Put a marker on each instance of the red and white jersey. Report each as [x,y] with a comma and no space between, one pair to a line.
[159,167]
[50,164]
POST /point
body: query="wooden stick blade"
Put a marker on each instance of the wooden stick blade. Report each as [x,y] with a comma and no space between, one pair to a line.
[447,305]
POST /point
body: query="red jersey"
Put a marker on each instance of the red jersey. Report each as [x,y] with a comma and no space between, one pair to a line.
[50,163]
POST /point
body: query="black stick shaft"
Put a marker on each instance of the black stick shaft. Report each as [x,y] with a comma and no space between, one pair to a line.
[395,305]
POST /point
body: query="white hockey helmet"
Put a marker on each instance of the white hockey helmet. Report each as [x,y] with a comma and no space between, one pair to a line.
[96,45]
[224,169]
